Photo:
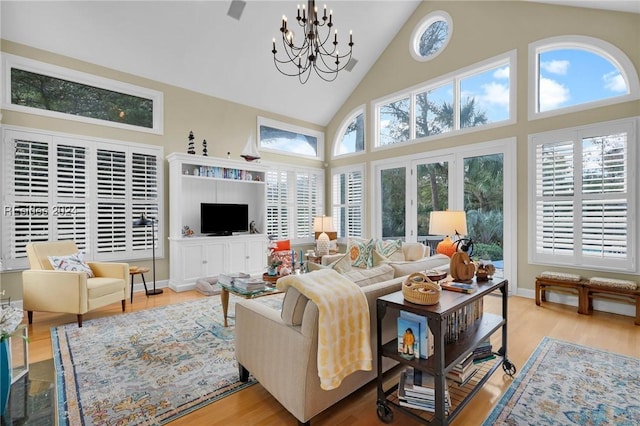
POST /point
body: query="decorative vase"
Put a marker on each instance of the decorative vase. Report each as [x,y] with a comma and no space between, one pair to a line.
[272,271]
[5,375]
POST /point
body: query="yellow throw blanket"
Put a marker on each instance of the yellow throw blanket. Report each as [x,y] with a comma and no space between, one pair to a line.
[344,337]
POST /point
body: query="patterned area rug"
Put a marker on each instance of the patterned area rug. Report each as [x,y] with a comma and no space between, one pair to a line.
[567,384]
[147,367]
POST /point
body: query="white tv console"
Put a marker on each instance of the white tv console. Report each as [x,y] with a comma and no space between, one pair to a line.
[195,179]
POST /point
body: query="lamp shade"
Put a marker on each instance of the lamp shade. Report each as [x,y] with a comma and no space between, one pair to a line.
[449,222]
[323,224]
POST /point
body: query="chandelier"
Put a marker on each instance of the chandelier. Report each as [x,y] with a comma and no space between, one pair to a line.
[316,51]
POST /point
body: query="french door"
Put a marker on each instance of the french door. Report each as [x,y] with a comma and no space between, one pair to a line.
[479,180]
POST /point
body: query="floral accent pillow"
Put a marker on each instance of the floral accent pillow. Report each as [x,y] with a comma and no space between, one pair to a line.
[390,249]
[73,262]
[360,253]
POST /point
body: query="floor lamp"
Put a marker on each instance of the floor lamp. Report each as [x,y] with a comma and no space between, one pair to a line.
[146,221]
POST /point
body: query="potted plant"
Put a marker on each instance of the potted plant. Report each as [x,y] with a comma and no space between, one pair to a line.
[273,267]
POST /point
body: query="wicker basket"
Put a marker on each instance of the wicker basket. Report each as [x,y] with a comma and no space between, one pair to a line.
[418,288]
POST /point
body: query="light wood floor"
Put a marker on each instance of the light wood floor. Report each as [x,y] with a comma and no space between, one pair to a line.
[527,325]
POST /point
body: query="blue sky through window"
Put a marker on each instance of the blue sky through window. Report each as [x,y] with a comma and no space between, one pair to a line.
[575,76]
[491,92]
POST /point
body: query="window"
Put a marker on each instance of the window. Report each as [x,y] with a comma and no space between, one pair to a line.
[573,73]
[479,96]
[583,196]
[59,187]
[350,137]
[294,198]
[348,201]
[39,88]
[431,36]
[288,139]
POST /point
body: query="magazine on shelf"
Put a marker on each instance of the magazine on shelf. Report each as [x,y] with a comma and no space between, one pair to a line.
[419,397]
[459,287]
[228,278]
[249,284]
[408,334]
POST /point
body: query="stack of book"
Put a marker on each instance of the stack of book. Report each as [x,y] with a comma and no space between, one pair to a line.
[484,352]
[463,370]
[249,284]
[417,390]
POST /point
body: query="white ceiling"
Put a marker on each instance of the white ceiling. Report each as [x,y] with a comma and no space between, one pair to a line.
[195,45]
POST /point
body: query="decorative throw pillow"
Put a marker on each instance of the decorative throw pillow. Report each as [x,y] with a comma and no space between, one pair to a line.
[341,265]
[73,262]
[282,245]
[360,252]
[390,249]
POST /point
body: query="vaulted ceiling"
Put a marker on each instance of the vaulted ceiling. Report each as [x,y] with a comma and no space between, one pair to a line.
[197,46]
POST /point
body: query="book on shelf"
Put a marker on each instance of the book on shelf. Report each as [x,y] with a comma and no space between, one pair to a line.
[421,397]
[464,370]
[483,352]
[424,336]
[459,287]
[408,334]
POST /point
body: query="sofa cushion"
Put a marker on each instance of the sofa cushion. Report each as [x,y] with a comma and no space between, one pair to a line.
[438,261]
[360,252]
[72,262]
[342,265]
[293,306]
[414,251]
[365,277]
[98,287]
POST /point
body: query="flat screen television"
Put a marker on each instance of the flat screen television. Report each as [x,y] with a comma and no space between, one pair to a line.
[223,219]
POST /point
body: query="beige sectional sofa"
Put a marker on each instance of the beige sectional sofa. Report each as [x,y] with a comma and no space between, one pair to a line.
[279,348]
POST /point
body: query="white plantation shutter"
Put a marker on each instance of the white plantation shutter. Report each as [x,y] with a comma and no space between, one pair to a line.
[111,211]
[70,211]
[348,202]
[583,198]
[144,193]
[294,198]
[68,188]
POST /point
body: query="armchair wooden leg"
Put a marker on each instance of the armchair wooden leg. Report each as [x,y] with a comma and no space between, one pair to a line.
[124,302]
[79,320]
[30,316]
[307,423]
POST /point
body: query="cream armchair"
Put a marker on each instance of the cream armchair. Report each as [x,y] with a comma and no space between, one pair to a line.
[48,290]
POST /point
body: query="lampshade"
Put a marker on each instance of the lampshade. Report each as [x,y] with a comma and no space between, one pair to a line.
[449,222]
[323,224]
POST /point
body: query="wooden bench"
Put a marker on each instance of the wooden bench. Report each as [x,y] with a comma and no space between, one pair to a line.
[618,290]
[564,283]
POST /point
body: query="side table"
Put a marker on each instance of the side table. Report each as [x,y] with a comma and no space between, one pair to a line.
[135,270]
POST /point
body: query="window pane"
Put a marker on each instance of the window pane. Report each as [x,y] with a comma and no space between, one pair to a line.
[484,97]
[49,93]
[394,122]
[554,169]
[353,137]
[575,76]
[434,111]
[483,203]
[433,38]
[433,192]
[393,184]
[284,140]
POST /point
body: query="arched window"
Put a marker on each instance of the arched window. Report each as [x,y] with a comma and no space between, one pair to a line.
[573,73]
[350,136]
[431,36]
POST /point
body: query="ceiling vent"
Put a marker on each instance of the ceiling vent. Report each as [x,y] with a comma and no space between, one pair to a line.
[351,64]
[236,8]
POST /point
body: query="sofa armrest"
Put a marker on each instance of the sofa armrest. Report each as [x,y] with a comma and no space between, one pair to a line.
[110,270]
[328,259]
[54,291]
[281,357]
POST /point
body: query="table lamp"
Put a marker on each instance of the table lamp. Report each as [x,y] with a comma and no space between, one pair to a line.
[323,224]
[447,223]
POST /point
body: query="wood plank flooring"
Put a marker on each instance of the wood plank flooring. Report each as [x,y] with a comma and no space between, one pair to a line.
[527,325]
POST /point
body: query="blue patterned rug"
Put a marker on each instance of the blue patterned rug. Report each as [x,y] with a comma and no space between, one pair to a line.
[147,367]
[567,384]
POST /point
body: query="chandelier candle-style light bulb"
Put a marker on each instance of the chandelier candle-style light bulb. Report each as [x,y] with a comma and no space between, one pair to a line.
[316,51]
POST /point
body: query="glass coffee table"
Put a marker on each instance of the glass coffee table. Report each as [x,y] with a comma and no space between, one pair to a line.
[227,288]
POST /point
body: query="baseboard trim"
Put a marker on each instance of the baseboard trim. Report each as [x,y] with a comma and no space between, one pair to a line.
[610,306]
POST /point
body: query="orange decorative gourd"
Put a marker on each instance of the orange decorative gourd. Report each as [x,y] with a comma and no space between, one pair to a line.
[461,267]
